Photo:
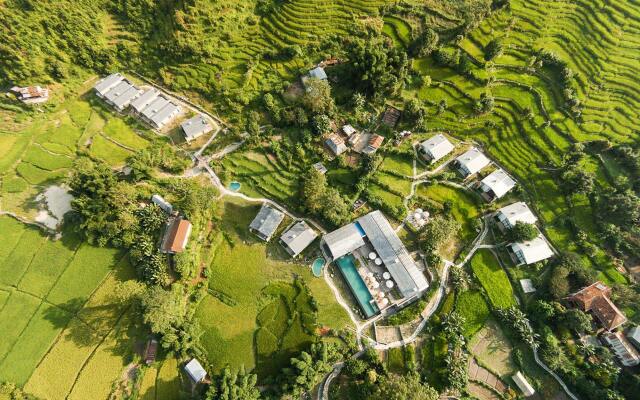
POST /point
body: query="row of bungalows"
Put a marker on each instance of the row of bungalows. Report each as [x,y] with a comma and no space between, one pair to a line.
[294,240]
[496,185]
[150,105]
[527,252]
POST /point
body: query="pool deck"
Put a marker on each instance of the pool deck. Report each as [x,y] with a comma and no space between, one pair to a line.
[349,271]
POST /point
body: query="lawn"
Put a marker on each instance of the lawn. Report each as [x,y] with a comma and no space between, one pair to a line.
[493,279]
[471,305]
[245,271]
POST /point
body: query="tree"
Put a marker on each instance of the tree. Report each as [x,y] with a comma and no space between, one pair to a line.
[577,180]
[622,208]
[317,97]
[425,43]
[559,282]
[493,49]
[376,69]
[234,386]
[518,321]
[314,185]
[576,320]
[405,387]
[335,209]
[321,124]
[485,103]
[522,232]
[306,370]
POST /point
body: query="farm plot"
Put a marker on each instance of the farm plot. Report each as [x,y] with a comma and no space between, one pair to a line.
[244,310]
[493,279]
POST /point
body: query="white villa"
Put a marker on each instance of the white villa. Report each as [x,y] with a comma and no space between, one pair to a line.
[472,162]
[530,252]
[634,336]
[435,148]
[496,185]
[509,215]
[298,238]
[264,225]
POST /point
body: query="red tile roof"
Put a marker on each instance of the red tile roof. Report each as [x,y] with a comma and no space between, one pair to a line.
[595,299]
[176,236]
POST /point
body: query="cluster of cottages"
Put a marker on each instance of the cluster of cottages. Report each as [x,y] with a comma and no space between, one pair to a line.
[31,94]
[368,253]
[151,105]
[360,142]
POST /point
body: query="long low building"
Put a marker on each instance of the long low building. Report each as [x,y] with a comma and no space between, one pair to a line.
[374,229]
[472,162]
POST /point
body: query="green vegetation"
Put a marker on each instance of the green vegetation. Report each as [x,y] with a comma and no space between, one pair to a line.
[493,279]
[474,309]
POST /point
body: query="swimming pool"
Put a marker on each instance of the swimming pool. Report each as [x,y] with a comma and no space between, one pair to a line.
[235,186]
[347,267]
[317,265]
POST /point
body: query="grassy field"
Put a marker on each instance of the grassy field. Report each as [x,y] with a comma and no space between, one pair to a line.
[245,270]
[472,306]
[493,279]
[57,313]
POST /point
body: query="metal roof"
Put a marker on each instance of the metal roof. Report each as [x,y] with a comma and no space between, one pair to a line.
[517,212]
[437,146]
[343,240]
[533,250]
[499,182]
[523,384]
[162,203]
[409,279]
[154,107]
[118,90]
[125,98]
[318,73]
[105,84]
[267,221]
[145,99]
[195,370]
[165,114]
[298,237]
[196,126]
[473,161]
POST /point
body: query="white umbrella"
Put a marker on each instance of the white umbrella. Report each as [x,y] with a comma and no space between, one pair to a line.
[389,284]
[385,302]
[386,275]
[419,210]
[378,261]
[376,284]
[372,256]
[382,294]
[417,216]
[425,215]
[370,274]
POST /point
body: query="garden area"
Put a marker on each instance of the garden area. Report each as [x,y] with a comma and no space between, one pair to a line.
[260,299]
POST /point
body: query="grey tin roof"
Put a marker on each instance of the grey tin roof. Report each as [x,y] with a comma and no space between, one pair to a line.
[194,127]
[145,99]
[298,237]
[107,83]
[154,107]
[165,114]
[267,221]
[343,240]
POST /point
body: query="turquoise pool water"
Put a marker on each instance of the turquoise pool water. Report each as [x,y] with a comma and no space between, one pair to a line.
[347,267]
[235,186]
[317,265]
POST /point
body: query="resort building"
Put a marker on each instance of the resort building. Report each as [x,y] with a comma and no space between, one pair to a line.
[298,238]
[472,162]
[160,112]
[435,148]
[195,127]
[264,225]
[195,371]
[336,144]
[496,185]
[522,384]
[138,105]
[374,143]
[595,299]
[162,203]
[530,252]
[176,236]
[391,116]
[625,352]
[349,130]
[508,216]
[122,94]
[374,232]
[318,73]
[31,94]
[634,336]
[107,83]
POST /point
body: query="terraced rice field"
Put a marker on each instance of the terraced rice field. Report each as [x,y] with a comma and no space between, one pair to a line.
[59,320]
[599,41]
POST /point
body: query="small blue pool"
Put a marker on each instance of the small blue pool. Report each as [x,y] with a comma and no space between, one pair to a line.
[317,266]
[347,267]
[235,186]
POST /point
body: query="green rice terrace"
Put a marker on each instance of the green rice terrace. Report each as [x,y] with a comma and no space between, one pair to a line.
[319,199]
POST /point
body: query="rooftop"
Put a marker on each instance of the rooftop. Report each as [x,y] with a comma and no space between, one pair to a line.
[533,250]
[298,238]
[522,383]
[348,130]
[105,84]
[266,221]
[195,371]
[595,298]
[499,182]
[196,126]
[318,73]
[176,236]
[473,160]
[144,99]
[517,212]
[625,352]
[437,146]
